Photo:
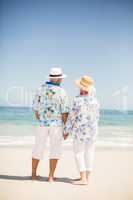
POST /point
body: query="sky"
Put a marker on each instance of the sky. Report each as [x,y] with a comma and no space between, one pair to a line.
[83,37]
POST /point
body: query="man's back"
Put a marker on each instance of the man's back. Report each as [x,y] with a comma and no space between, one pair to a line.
[51,102]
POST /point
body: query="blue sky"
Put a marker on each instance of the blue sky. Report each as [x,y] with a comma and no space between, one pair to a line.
[83,37]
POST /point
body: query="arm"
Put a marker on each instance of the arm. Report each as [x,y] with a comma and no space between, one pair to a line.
[65,104]
[68,125]
[36,104]
[64,117]
[94,124]
[70,120]
[37,115]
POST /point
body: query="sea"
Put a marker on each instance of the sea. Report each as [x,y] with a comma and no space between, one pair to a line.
[18,128]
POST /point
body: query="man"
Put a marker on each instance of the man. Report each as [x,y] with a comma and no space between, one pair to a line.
[51,109]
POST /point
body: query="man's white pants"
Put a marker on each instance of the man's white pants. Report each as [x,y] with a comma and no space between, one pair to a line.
[55,142]
[84,155]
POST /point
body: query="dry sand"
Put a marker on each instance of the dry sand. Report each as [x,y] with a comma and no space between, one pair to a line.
[112,178]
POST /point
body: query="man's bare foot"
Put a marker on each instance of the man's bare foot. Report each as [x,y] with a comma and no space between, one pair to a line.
[34,178]
[51,179]
[81,182]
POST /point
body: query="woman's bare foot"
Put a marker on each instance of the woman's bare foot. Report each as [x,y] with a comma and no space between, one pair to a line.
[76,179]
[87,175]
[81,182]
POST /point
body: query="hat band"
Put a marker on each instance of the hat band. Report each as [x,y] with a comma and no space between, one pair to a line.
[84,84]
[55,75]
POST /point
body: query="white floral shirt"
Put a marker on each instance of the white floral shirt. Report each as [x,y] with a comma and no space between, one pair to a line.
[83,117]
[51,101]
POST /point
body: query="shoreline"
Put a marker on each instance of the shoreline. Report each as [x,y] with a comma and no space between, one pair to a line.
[28,141]
[109,137]
[99,148]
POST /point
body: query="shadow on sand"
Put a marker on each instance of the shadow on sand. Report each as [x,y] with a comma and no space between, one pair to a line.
[41,178]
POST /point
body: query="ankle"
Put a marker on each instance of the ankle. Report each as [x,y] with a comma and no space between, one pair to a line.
[84,179]
[51,176]
[33,173]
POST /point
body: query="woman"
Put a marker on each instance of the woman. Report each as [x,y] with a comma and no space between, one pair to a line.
[82,123]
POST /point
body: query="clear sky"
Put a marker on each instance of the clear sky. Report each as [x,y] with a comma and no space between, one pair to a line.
[83,37]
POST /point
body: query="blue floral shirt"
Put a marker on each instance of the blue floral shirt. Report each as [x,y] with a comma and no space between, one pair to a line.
[51,101]
[83,117]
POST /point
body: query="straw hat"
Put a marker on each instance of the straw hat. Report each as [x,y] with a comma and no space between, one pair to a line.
[56,72]
[85,83]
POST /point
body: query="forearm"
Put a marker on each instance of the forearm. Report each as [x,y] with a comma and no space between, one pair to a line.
[64,118]
[37,115]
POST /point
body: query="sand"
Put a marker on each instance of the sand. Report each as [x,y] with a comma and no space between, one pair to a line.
[112,178]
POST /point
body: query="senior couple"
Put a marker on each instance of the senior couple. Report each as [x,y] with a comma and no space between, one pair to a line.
[59,117]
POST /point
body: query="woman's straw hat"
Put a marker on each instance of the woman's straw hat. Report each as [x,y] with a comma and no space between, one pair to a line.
[85,83]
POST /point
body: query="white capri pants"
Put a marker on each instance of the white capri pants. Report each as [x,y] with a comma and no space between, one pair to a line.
[55,142]
[84,154]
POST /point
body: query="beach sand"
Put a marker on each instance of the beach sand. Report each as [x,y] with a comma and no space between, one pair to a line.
[112,178]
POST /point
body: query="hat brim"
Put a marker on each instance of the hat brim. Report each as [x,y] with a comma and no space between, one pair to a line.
[78,84]
[60,77]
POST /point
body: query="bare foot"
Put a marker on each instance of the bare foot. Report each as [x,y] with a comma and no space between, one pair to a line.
[77,179]
[87,180]
[81,182]
[51,179]
[34,178]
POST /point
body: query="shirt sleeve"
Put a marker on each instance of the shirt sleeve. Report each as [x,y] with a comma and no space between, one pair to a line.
[65,103]
[93,123]
[36,100]
[68,125]
[70,120]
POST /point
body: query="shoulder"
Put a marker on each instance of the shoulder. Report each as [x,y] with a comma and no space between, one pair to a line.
[77,101]
[61,91]
[40,89]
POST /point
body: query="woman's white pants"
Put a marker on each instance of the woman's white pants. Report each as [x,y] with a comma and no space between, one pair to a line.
[84,154]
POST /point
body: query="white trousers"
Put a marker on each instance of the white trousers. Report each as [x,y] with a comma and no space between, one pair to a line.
[84,155]
[55,142]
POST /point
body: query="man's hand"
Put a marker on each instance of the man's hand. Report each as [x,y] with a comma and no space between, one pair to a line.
[37,116]
[65,136]
[64,117]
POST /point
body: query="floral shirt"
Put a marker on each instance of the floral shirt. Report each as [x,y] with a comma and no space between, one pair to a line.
[51,102]
[83,117]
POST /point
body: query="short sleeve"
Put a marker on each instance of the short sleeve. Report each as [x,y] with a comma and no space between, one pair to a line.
[36,100]
[71,118]
[64,102]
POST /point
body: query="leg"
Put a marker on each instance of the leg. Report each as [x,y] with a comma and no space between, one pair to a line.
[80,161]
[55,149]
[89,158]
[88,175]
[34,168]
[38,149]
[52,167]
[82,180]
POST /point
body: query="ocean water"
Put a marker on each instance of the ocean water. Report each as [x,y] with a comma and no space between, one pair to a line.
[18,127]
